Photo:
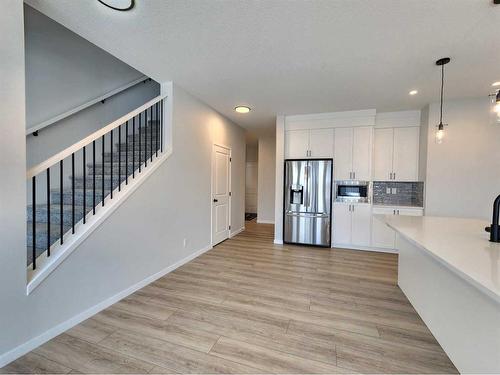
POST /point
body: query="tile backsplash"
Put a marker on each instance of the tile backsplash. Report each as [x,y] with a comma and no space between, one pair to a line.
[406,193]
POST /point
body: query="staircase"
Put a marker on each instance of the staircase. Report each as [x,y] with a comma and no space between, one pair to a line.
[117,169]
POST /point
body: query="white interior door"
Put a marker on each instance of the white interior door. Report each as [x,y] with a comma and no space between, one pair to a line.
[251,187]
[221,199]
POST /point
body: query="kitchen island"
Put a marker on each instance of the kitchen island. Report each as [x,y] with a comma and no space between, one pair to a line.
[450,272]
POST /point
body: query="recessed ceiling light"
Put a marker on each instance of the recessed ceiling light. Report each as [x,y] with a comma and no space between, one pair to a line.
[242,109]
[413,92]
[495,84]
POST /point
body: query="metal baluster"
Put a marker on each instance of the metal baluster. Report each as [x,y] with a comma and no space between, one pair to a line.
[93,177]
[151,131]
[140,156]
[126,153]
[120,158]
[61,198]
[84,185]
[111,164]
[102,172]
[161,126]
[48,212]
[157,124]
[145,138]
[73,193]
[33,234]
[133,147]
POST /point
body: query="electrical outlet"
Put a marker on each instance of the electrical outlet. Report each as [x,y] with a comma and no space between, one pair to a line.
[184,242]
[388,190]
[394,191]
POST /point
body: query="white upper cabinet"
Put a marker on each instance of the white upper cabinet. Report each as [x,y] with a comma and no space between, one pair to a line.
[314,143]
[342,161]
[382,157]
[353,153]
[362,153]
[406,147]
[396,154]
[321,143]
[296,144]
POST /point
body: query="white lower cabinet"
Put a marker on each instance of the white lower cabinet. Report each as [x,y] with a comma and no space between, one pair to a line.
[384,237]
[352,224]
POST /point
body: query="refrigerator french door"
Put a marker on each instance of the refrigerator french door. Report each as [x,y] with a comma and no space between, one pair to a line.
[308,202]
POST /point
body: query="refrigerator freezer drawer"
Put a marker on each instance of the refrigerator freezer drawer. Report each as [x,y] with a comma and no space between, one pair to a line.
[307,229]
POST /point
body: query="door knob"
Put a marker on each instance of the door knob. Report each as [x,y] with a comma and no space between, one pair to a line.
[216,200]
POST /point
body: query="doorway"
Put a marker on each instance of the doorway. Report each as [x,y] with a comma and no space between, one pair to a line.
[221,193]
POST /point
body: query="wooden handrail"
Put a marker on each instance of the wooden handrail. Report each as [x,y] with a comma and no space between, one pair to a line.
[83,106]
[89,139]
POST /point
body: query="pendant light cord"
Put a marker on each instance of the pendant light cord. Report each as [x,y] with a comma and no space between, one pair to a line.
[442,89]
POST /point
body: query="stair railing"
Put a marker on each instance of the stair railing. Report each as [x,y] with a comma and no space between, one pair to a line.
[143,131]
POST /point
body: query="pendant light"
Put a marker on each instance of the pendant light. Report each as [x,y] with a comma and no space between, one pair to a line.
[440,127]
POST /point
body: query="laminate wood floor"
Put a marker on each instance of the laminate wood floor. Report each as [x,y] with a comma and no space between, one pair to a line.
[249,306]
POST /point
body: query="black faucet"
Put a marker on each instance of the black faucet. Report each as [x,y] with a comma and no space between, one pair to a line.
[495,228]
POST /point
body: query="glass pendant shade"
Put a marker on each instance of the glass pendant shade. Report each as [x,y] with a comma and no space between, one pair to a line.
[440,133]
[495,108]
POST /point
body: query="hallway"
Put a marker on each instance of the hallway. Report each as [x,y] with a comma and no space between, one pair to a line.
[249,306]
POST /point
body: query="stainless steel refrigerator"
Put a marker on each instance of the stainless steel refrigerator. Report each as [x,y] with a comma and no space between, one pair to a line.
[307,215]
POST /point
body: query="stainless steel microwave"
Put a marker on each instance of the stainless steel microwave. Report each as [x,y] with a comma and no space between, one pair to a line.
[352,191]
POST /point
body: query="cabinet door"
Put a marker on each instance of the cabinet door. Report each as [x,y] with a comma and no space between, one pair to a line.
[342,162]
[382,156]
[362,153]
[341,224]
[321,143]
[406,144]
[382,235]
[296,144]
[361,224]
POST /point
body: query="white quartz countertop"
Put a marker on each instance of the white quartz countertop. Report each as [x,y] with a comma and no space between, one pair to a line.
[462,245]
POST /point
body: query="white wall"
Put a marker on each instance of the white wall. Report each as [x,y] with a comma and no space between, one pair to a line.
[251,177]
[463,173]
[280,174]
[266,178]
[63,70]
[174,203]
[12,184]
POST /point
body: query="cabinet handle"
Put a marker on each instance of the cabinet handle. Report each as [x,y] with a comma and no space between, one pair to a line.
[394,212]
[354,175]
[398,212]
[394,175]
[352,208]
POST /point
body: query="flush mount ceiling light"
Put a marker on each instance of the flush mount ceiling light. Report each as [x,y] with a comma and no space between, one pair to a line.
[496,84]
[242,109]
[413,92]
[440,127]
[121,5]
[495,107]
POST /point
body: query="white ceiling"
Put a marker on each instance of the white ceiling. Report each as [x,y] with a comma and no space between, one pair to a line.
[291,57]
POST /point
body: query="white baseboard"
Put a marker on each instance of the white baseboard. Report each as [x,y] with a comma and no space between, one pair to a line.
[236,232]
[35,342]
[264,221]
[278,241]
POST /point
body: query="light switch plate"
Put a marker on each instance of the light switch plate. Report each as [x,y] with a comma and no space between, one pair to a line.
[394,191]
